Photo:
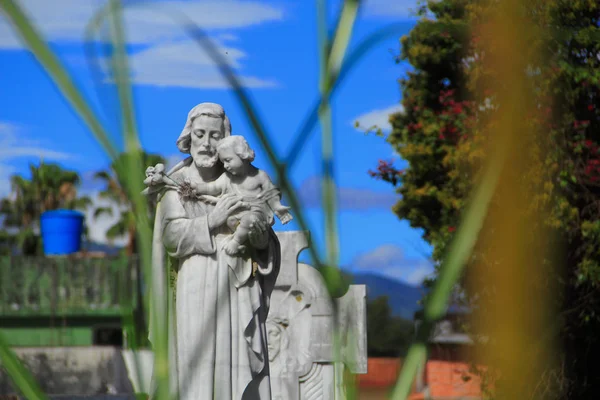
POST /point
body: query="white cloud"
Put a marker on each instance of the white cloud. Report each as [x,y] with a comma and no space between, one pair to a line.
[381,256]
[228,37]
[97,227]
[348,198]
[184,64]
[390,260]
[168,56]
[14,143]
[417,276]
[378,118]
[66,20]
[391,8]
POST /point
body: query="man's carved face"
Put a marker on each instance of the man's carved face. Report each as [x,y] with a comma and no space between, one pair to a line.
[206,133]
[274,333]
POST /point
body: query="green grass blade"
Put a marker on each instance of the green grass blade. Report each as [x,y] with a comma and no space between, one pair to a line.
[328,200]
[329,65]
[53,67]
[458,254]
[342,37]
[21,377]
[132,177]
[310,121]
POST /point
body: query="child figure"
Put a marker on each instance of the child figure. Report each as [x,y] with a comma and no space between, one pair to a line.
[251,184]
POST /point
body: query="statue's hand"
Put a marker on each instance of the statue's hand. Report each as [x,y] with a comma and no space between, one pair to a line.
[258,235]
[227,205]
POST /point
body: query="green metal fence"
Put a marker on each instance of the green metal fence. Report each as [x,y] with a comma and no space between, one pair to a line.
[67,286]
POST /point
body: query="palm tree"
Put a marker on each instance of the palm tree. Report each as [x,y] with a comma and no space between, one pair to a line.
[115,191]
[50,187]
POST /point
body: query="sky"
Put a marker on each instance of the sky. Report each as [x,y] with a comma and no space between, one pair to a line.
[272,45]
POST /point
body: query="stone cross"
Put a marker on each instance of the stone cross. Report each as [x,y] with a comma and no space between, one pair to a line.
[302,324]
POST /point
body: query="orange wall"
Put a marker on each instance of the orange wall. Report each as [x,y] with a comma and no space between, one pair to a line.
[445,379]
[451,379]
[381,372]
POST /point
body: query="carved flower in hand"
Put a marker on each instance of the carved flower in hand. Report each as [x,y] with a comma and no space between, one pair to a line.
[187,189]
[154,175]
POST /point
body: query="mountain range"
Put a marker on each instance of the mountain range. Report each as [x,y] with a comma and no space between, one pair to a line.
[402,298]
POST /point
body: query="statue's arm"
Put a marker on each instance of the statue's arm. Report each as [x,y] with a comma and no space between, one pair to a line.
[274,201]
[211,188]
[183,236]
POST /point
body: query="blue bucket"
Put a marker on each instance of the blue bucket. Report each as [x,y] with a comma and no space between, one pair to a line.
[61,231]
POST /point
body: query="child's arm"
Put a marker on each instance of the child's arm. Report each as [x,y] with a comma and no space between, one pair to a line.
[211,188]
[281,211]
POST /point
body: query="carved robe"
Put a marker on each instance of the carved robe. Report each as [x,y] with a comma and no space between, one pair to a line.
[220,350]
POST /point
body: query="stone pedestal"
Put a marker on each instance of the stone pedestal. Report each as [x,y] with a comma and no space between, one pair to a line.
[74,371]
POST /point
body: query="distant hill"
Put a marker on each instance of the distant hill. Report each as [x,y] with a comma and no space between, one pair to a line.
[402,297]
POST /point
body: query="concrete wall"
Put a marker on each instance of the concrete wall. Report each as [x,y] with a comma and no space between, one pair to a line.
[74,370]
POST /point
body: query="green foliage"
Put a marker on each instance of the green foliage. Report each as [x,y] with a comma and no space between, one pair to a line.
[115,189]
[442,136]
[387,336]
[50,187]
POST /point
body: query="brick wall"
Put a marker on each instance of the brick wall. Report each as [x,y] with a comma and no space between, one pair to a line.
[445,379]
[450,379]
[381,372]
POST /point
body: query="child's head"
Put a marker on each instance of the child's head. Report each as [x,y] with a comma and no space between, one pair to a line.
[234,153]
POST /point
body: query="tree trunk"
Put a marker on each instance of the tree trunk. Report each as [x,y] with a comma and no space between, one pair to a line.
[131,243]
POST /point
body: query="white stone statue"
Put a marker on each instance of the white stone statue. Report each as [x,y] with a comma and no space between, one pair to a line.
[221,300]
[251,184]
[302,323]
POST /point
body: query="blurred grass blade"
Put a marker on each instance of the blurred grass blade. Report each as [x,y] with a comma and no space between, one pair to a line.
[21,377]
[53,67]
[131,175]
[342,37]
[452,267]
[121,74]
[517,238]
[329,62]
[328,200]
[309,122]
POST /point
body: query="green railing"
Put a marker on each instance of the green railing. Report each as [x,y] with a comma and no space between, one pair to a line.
[66,286]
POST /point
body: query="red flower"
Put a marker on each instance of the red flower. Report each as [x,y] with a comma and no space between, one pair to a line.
[457,109]
[591,107]
[451,229]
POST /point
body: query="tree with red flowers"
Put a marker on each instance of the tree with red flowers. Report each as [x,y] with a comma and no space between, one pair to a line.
[440,136]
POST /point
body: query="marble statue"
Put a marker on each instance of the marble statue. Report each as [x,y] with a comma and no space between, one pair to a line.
[213,226]
[252,185]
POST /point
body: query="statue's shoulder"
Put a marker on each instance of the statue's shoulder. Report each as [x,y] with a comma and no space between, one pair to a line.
[179,175]
[182,171]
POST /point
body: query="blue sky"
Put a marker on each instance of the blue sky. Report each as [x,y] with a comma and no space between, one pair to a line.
[273,47]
